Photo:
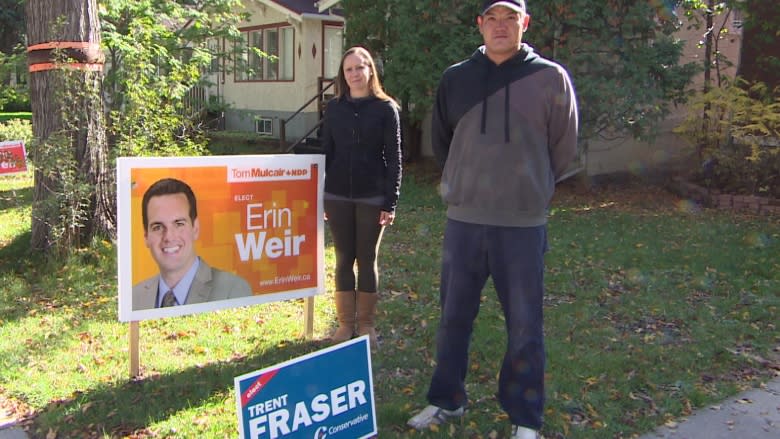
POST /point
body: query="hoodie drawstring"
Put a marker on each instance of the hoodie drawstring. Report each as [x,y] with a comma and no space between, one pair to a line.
[483,127]
[525,55]
[506,113]
[484,101]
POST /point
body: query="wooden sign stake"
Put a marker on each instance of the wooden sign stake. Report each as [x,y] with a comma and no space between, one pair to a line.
[308,317]
[134,363]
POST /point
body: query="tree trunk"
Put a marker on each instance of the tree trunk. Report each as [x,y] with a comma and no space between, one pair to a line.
[708,36]
[708,45]
[411,135]
[67,108]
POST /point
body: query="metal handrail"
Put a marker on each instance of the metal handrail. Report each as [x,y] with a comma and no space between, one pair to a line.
[317,96]
[290,148]
[283,122]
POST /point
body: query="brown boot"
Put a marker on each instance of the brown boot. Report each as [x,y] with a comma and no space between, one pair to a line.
[366,316]
[345,311]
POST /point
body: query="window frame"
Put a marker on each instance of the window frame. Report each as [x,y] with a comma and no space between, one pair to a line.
[264,122]
[269,40]
[331,56]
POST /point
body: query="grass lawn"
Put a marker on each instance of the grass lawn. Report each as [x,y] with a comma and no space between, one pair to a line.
[18,115]
[654,307]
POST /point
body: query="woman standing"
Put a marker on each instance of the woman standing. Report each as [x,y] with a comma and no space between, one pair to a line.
[362,140]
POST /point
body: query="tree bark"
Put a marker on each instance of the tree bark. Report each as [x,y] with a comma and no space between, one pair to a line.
[411,132]
[68,109]
[708,45]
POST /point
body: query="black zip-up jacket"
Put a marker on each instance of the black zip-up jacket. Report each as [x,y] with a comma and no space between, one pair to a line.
[362,142]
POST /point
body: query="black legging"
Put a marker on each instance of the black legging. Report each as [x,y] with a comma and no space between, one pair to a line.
[356,235]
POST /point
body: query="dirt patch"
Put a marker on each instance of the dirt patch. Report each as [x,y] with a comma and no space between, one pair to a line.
[617,191]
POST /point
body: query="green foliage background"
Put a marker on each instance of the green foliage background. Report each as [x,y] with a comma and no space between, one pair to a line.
[157,51]
[622,57]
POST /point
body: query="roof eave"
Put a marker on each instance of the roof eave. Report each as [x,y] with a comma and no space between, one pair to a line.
[326,4]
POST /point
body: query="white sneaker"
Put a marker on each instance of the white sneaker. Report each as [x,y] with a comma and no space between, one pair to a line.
[433,415]
[520,432]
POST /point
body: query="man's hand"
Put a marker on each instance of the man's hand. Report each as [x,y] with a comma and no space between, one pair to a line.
[386,218]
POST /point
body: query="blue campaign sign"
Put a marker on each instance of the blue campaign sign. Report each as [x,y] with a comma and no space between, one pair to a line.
[325,394]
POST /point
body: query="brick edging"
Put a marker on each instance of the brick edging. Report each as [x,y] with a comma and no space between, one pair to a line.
[714,198]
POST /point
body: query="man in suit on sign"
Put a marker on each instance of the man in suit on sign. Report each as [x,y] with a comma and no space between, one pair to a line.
[171,227]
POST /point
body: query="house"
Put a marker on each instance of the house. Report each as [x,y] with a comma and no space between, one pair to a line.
[279,96]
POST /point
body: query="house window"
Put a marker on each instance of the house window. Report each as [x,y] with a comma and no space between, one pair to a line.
[216,55]
[266,55]
[264,126]
[333,47]
[737,21]
[286,62]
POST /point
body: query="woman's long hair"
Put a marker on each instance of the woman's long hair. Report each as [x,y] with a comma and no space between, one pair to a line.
[374,86]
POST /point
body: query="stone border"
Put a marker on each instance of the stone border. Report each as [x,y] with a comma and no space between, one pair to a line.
[714,198]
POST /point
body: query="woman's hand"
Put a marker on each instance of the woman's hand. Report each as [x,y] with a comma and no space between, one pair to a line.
[386,218]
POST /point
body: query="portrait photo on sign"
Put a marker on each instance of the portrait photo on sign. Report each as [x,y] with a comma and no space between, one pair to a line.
[205,233]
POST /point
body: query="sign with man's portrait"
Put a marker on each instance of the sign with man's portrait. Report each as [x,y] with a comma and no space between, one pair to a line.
[205,233]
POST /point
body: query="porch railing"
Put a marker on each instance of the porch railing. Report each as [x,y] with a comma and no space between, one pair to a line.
[323,85]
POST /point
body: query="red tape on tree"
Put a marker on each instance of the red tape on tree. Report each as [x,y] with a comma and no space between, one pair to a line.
[80,55]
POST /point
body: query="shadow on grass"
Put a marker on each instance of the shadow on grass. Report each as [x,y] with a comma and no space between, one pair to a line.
[15,198]
[120,410]
[16,254]
[36,283]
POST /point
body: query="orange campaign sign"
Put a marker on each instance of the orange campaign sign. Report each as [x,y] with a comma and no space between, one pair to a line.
[257,232]
[13,157]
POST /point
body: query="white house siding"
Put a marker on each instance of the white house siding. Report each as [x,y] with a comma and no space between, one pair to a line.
[278,100]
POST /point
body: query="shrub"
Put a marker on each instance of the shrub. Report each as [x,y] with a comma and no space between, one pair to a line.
[16,129]
[736,132]
[14,98]
[14,94]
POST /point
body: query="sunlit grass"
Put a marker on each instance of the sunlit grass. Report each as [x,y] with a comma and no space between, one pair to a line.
[15,208]
[25,115]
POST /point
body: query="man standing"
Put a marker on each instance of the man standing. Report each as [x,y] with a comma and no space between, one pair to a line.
[171,227]
[504,130]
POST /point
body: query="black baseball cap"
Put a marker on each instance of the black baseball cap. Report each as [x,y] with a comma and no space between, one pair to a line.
[515,5]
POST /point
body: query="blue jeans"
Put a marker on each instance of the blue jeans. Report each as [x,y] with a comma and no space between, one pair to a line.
[514,258]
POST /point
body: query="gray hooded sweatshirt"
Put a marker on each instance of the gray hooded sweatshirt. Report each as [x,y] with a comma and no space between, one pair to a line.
[503,135]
